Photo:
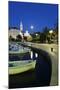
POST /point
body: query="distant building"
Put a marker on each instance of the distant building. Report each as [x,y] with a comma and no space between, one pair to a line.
[14,32]
[26,34]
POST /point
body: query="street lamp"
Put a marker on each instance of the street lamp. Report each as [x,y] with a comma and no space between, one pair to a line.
[31,28]
[51,31]
[36,34]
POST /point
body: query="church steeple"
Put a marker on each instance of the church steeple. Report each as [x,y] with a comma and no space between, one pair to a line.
[21,29]
[21,26]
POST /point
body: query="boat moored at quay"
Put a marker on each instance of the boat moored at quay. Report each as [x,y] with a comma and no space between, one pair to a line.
[20,59]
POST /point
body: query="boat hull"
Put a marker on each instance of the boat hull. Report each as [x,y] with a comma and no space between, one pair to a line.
[19,52]
[21,66]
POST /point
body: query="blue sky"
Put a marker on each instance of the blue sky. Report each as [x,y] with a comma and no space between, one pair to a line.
[38,15]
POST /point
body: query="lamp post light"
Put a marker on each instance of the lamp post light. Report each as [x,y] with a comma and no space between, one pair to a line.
[51,31]
[32,27]
[36,34]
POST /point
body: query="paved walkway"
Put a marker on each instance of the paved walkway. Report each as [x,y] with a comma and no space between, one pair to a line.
[54,60]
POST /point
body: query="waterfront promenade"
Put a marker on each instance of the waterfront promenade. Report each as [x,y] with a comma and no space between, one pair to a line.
[54,59]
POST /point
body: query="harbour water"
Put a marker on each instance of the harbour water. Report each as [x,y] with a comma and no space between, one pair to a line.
[40,76]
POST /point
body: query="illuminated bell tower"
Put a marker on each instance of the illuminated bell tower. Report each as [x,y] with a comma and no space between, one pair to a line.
[21,30]
[21,27]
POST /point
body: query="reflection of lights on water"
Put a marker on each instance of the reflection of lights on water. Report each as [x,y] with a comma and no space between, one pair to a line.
[36,55]
[31,54]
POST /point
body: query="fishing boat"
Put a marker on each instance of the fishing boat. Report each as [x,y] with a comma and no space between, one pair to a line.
[21,64]
[16,67]
[17,49]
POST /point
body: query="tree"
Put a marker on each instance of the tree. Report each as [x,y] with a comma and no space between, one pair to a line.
[56,28]
[25,38]
[46,30]
[42,38]
[11,38]
[56,31]
[18,37]
[45,33]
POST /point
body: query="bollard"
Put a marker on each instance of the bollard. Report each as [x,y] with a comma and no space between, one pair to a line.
[51,49]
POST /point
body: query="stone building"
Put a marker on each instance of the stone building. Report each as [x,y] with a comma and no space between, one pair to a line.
[14,32]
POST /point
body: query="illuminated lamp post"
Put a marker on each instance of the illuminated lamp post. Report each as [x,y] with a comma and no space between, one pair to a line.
[32,27]
[36,34]
[51,31]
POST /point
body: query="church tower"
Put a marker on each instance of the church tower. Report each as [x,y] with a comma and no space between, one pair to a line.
[21,27]
[21,30]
